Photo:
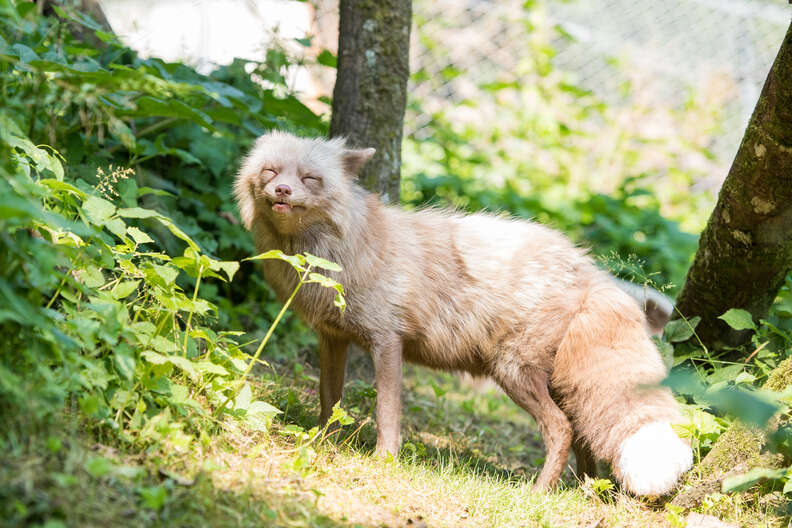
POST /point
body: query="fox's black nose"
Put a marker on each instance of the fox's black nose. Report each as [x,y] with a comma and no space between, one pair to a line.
[283,190]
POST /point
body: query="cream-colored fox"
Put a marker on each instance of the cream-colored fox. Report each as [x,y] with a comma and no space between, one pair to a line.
[492,296]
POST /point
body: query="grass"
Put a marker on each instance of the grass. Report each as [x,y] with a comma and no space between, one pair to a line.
[469,459]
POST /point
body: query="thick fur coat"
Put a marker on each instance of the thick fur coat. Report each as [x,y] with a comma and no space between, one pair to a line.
[489,295]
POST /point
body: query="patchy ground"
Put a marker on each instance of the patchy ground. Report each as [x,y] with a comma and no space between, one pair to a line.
[468,461]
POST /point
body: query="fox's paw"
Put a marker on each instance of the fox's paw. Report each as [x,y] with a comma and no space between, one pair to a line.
[652,460]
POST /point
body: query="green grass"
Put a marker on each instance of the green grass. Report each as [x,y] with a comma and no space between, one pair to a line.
[469,460]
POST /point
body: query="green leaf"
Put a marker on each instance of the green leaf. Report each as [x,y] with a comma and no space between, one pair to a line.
[207,367]
[124,288]
[165,272]
[139,236]
[297,261]
[243,398]
[154,497]
[124,363]
[15,138]
[340,415]
[143,329]
[117,227]
[726,373]
[259,415]
[186,365]
[180,396]
[57,185]
[229,267]
[746,480]
[327,282]
[98,467]
[154,358]
[120,130]
[326,58]
[92,277]
[340,302]
[160,359]
[738,319]
[754,407]
[163,344]
[680,330]
[665,348]
[318,278]
[788,486]
[744,377]
[142,191]
[139,212]
[263,408]
[319,262]
[98,210]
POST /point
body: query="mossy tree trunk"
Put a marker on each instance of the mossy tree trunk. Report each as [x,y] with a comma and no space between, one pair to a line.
[745,250]
[739,449]
[370,91]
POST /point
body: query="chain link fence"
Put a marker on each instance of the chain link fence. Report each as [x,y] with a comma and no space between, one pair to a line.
[662,51]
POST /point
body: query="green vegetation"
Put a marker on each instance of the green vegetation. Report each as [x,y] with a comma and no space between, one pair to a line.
[130,392]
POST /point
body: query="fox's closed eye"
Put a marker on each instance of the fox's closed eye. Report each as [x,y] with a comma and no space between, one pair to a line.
[311,179]
[268,173]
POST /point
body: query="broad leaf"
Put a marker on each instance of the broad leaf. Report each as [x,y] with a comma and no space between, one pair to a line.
[297,261]
[140,237]
[746,480]
[738,319]
[98,210]
[319,262]
[680,330]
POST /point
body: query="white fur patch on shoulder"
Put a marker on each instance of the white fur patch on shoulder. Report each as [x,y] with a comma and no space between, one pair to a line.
[652,460]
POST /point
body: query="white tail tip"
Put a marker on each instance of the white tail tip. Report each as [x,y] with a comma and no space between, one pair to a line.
[652,460]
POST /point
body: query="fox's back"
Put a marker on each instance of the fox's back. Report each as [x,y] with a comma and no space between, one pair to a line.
[468,282]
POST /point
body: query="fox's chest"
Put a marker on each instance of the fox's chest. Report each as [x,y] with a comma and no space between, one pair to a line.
[312,302]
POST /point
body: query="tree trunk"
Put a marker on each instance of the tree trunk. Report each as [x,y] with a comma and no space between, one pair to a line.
[370,92]
[92,8]
[745,250]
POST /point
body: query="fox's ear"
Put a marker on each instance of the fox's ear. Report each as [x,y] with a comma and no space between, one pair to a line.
[354,159]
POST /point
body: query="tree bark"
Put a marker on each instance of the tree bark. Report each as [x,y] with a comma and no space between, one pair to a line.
[370,91]
[744,252]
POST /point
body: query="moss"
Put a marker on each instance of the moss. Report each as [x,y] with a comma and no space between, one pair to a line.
[739,445]
[781,377]
[736,452]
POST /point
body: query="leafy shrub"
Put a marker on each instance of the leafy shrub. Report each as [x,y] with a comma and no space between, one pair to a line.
[96,311]
[183,132]
[112,292]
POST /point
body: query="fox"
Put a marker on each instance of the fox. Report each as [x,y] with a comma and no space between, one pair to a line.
[489,295]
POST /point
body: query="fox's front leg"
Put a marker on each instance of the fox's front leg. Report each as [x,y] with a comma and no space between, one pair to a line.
[332,364]
[387,356]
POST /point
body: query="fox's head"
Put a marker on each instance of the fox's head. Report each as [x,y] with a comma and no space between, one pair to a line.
[293,183]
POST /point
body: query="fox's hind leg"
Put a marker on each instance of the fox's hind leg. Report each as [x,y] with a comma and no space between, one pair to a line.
[528,388]
[586,465]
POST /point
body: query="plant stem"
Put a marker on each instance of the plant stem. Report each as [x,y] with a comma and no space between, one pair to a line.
[57,291]
[263,343]
[192,309]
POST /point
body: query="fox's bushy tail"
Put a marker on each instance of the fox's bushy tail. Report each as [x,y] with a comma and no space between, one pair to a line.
[605,374]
